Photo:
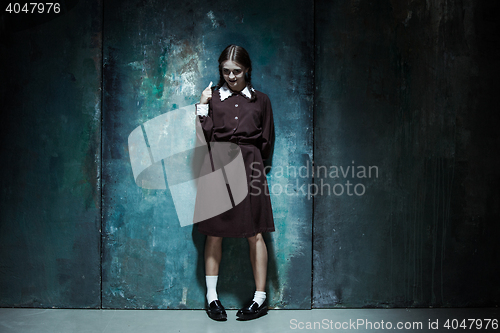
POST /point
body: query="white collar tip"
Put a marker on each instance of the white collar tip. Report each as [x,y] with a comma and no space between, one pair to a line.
[225,92]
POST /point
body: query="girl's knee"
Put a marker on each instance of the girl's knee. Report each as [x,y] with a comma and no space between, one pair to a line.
[257,238]
[214,239]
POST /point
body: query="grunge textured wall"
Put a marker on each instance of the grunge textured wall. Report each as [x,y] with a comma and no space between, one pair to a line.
[50,158]
[406,88]
[158,57]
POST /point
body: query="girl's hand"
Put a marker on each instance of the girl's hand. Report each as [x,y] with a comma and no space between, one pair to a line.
[206,95]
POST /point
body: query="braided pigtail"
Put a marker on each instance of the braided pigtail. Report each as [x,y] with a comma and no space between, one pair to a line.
[248,79]
[221,78]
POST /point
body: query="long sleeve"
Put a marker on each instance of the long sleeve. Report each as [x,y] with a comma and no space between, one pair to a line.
[267,139]
[204,113]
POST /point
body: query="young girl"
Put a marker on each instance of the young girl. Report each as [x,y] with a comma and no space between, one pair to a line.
[234,111]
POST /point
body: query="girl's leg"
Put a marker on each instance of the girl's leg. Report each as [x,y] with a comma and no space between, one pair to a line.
[258,258]
[213,255]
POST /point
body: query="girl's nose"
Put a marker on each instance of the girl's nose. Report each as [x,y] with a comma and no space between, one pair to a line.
[231,75]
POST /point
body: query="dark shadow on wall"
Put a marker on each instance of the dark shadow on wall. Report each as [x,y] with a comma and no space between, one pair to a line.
[235,275]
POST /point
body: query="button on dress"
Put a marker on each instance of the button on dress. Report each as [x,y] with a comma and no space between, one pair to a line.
[249,124]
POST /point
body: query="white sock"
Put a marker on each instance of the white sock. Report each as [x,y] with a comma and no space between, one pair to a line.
[211,287]
[259,297]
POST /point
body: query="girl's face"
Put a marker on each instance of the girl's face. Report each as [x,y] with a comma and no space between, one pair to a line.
[234,74]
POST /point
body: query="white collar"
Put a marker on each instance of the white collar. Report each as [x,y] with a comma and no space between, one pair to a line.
[225,92]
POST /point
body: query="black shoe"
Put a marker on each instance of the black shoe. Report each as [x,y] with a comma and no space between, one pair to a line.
[216,311]
[252,311]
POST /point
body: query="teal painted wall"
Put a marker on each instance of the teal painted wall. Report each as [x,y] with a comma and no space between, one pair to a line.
[408,88]
[158,57]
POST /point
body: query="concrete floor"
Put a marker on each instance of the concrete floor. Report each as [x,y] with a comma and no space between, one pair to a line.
[145,321]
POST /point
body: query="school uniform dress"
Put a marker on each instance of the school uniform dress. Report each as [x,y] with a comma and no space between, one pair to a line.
[233,117]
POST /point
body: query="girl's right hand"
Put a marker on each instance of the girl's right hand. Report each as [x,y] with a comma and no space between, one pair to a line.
[206,95]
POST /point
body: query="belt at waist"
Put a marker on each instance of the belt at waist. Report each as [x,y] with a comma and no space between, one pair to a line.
[241,143]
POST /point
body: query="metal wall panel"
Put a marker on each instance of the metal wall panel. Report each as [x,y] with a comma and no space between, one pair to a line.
[158,57]
[407,87]
[50,157]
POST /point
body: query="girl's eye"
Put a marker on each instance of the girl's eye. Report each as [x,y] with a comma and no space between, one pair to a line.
[235,71]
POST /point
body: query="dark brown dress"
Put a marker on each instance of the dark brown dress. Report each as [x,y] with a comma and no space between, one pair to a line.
[249,124]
